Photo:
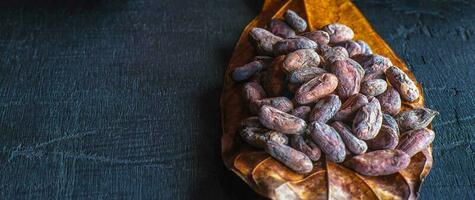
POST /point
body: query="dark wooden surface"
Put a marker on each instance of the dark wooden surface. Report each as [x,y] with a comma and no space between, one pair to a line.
[119,99]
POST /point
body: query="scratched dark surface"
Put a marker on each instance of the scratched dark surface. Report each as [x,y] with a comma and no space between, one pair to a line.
[119,99]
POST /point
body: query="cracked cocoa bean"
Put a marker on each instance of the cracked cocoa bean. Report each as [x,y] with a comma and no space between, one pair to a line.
[329,141]
[295,21]
[390,101]
[273,79]
[301,112]
[258,137]
[338,32]
[292,44]
[368,120]
[247,71]
[365,49]
[351,47]
[373,87]
[293,159]
[380,162]
[402,83]
[305,74]
[264,40]
[334,54]
[301,58]
[415,141]
[415,119]
[280,28]
[320,37]
[350,106]
[373,65]
[325,108]
[387,138]
[280,121]
[318,87]
[300,144]
[280,103]
[388,120]
[349,77]
[353,144]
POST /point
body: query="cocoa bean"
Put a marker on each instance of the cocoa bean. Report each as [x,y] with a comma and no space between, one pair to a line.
[300,144]
[318,87]
[373,65]
[368,120]
[292,44]
[300,59]
[390,101]
[403,84]
[365,49]
[388,120]
[293,159]
[338,32]
[280,28]
[320,37]
[259,137]
[329,141]
[280,103]
[325,108]
[352,47]
[263,40]
[252,91]
[334,54]
[323,48]
[247,71]
[273,79]
[280,121]
[301,112]
[373,87]
[349,108]
[349,77]
[380,162]
[353,144]
[305,74]
[387,138]
[251,122]
[295,21]
[415,141]
[415,119]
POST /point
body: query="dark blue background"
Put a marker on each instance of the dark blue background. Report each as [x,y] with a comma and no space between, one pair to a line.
[119,99]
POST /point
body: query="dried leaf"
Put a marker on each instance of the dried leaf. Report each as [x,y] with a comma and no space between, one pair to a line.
[328,180]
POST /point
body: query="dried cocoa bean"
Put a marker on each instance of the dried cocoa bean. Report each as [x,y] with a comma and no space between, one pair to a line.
[373,87]
[373,65]
[368,120]
[325,108]
[292,44]
[305,74]
[390,101]
[301,112]
[352,47]
[387,138]
[338,32]
[273,80]
[388,120]
[295,21]
[280,28]
[353,144]
[320,37]
[323,48]
[402,83]
[280,103]
[280,121]
[415,141]
[349,77]
[329,141]
[258,137]
[349,108]
[300,59]
[293,159]
[247,71]
[264,40]
[251,122]
[334,54]
[365,49]
[380,162]
[253,91]
[318,87]
[300,144]
[415,119]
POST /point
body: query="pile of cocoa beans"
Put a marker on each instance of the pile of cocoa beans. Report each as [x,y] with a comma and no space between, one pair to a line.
[322,93]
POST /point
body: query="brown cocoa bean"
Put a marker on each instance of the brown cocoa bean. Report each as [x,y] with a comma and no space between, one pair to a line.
[318,87]
[325,108]
[305,74]
[334,54]
[403,84]
[251,122]
[415,141]
[273,80]
[387,138]
[380,162]
[373,87]
[349,108]
[349,77]
[301,58]
[247,71]
[280,121]
[253,91]
[292,44]
[365,49]
[320,37]
[388,120]
[390,101]
[368,120]
[295,21]
[373,65]
[280,103]
[338,32]
[329,141]
[258,137]
[300,144]
[301,112]
[280,28]
[351,47]
[415,119]
[353,144]
[263,40]
[293,159]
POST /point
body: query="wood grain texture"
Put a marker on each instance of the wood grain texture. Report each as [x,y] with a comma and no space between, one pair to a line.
[105,102]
